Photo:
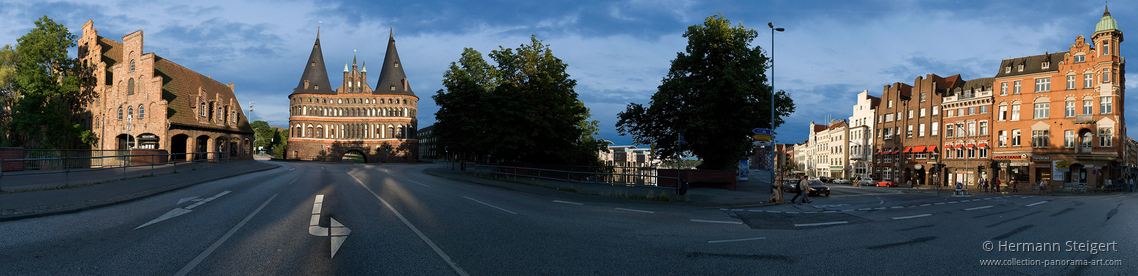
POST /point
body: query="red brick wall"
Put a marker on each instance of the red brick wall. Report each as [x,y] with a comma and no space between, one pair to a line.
[12,153]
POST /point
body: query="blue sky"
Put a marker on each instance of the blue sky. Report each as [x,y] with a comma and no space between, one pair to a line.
[618,51]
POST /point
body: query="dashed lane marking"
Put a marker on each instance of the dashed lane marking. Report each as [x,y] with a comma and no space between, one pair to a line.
[954,202]
[938,203]
[829,212]
[717,221]
[413,181]
[820,223]
[566,202]
[896,207]
[978,208]
[848,210]
[1037,203]
[488,204]
[926,204]
[915,216]
[634,210]
[864,209]
[738,240]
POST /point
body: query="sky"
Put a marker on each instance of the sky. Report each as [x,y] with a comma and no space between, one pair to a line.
[618,51]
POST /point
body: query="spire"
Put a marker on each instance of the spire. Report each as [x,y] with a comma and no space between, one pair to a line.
[364,70]
[345,67]
[392,74]
[314,80]
[317,31]
[1107,12]
[353,61]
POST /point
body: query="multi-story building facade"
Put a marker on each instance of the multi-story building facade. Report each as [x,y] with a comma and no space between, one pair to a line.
[1059,116]
[144,101]
[967,127]
[828,146]
[860,141]
[817,153]
[802,158]
[380,124]
[428,142]
[907,130]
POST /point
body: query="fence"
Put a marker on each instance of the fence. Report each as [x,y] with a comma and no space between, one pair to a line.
[65,163]
[593,176]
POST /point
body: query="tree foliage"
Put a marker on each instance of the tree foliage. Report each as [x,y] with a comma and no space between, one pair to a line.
[54,91]
[523,108]
[8,92]
[714,94]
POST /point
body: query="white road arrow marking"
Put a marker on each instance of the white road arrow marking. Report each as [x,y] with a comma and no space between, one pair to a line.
[180,201]
[182,211]
[338,231]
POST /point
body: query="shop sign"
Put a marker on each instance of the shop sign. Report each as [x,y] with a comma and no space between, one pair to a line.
[148,136]
[1033,158]
[1019,164]
[917,162]
[1022,156]
[1042,165]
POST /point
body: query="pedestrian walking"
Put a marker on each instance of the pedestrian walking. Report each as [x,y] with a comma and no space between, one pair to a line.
[1015,185]
[909,183]
[997,185]
[803,189]
[776,194]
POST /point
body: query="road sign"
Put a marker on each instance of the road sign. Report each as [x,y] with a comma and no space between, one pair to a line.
[762,137]
[682,139]
[762,131]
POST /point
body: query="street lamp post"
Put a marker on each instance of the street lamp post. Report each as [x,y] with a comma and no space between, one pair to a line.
[773,29]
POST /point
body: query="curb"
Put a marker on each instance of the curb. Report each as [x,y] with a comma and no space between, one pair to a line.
[129,198]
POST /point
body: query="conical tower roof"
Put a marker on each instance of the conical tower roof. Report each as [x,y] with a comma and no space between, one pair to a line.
[315,74]
[392,80]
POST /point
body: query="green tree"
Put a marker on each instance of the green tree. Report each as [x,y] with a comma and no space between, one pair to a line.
[714,94]
[522,109]
[262,134]
[280,143]
[8,92]
[50,112]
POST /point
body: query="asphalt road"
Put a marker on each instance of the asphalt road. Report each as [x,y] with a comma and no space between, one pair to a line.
[404,222]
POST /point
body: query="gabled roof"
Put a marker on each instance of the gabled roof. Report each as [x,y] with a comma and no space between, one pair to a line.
[981,84]
[315,74]
[819,128]
[1031,64]
[180,90]
[947,83]
[392,74]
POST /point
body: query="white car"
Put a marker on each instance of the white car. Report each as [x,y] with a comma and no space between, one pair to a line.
[841,181]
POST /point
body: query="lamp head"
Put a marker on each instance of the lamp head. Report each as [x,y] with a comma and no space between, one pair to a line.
[779,29]
[770,24]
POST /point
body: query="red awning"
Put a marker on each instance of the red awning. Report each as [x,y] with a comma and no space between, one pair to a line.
[919,149]
[932,148]
[948,146]
[970,146]
[878,153]
[959,146]
[982,145]
[907,149]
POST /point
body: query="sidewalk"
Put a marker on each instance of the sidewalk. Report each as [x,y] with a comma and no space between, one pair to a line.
[749,193]
[109,190]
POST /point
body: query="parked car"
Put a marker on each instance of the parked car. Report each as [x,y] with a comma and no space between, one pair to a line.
[867,181]
[824,179]
[817,188]
[840,181]
[887,184]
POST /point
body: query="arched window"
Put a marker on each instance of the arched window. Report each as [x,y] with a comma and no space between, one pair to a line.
[129,113]
[319,132]
[130,86]
[120,113]
[202,108]
[141,112]
[1087,139]
[132,65]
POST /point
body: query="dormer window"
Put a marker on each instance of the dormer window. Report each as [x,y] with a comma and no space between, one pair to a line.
[1020,68]
[392,88]
[1007,69]
[1046,64]
[396,65]
[305,84]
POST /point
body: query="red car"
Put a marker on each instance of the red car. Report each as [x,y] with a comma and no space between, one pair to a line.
[887,184]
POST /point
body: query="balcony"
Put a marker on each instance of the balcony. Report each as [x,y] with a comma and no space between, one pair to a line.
[1084,119]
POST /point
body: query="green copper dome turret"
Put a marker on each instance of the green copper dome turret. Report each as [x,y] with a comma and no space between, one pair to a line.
[1107,23]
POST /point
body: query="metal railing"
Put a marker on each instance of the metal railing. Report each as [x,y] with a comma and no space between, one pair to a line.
[592,177]
[68,164]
